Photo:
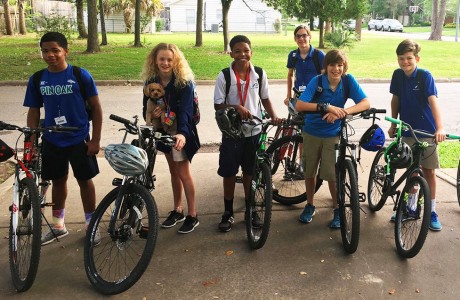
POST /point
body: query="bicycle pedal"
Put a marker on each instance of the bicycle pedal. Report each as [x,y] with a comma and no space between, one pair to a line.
[143,233]
[362,197]
[117,181]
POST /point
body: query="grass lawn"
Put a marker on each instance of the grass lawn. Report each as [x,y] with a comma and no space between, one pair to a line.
[449,154]
[373,57]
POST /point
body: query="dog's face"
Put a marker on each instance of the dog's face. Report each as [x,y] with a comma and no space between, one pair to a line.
[154,91]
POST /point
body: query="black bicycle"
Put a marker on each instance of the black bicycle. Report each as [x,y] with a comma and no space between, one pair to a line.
[413,204]
[122,233]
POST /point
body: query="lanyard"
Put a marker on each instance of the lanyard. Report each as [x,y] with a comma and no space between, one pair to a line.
[238,84]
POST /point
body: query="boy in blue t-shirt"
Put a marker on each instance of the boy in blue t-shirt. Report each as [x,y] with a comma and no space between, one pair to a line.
[63,103]
[321,131]
[420,109]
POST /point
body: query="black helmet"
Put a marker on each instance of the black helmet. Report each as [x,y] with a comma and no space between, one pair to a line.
[229,122]
[373,139]
[400,155]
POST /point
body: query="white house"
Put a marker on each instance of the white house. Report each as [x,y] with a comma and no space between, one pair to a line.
[244,16]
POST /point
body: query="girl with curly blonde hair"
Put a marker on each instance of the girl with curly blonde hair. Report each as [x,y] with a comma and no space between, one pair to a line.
[166,65]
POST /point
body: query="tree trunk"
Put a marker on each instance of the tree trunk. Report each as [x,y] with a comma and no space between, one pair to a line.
[102,20]
[321,33]
[437,23]
[358,27]
[6,11]
[22,19]
[137,24]
[82,34]
[225,9]
[128,18]
[93,40]
[199,24]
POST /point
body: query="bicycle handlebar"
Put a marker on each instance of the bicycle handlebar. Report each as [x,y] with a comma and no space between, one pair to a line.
[54,128]
[406,126]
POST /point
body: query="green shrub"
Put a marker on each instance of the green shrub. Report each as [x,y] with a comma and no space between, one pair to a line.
[340,39]
[54,22]
[277,25]
[158,25]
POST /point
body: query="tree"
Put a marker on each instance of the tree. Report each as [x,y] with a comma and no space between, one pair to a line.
[199,24]
[225,9]
[22,19]
[102,20]
[6,12]
[137,24]
[93,40]
[80,20]
[437,20]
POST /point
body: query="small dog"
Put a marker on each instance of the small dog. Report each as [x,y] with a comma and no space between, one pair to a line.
[155,92]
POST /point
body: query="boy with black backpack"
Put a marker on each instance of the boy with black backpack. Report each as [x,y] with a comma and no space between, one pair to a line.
[415,100]
[326,94]
[67,95]
[244,90]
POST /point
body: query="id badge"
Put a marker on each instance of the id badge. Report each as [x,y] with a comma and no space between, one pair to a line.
[60,120]
[302,88]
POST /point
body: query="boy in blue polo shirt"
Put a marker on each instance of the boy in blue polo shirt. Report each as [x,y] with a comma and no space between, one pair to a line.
[63,103]
[415,100]
[321,131]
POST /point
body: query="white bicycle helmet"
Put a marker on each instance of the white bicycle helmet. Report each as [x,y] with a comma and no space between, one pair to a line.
[126,159]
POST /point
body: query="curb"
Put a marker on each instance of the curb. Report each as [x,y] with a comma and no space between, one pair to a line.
[446,177]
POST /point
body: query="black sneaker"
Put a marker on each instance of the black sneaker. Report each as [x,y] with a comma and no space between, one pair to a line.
[226,222]
[189,224]
[173,218]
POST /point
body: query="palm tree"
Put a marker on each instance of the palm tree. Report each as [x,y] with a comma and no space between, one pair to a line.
[225,9]
[22,19]
[80,22]
[199,24]
[93,41]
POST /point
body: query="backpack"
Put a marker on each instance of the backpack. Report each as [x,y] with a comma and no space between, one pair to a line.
[196,116]
[77,73]
[319,89]
[315,58]
[228,81]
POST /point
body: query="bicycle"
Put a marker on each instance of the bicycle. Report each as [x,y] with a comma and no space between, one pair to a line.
[413,204]
[348,195]
[29,197]
[127,217]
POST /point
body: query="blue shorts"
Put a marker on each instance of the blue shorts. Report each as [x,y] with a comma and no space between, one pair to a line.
[55,162]
[236,153]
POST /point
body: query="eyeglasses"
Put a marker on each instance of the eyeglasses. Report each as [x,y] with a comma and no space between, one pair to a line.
[300,36]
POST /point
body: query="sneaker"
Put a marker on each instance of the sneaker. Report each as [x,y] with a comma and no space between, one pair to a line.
[51,237]
[226,223]
[173,218]
[435,225]
[307,215]
[189,224]
[335,223]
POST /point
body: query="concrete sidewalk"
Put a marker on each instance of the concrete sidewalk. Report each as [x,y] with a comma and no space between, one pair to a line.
[299,261]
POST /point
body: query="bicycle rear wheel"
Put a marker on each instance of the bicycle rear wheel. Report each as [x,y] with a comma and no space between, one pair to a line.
[123,254]
[25,241]
[287,170]
[348,199]
[259,207]
[376,183]
[412,217]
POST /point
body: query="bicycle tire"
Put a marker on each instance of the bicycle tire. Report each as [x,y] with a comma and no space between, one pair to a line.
[288,179]
[105,266]
[458,182]
[259,207]
[376,184]
[411,227]
[349,211]
[24,251]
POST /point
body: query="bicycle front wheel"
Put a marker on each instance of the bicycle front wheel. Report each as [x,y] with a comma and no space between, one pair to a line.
[412,217]
[259,207]
[376,183]
[115,258]
[287,170]
[348,199]
[25,240]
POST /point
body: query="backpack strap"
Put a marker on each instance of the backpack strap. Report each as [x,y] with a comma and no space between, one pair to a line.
[36,77]
[319,88]
[346,87]
[226,72]
[316,60]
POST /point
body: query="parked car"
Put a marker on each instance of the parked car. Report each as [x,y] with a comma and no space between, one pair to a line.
[349,24]
[374,24]
[392,25]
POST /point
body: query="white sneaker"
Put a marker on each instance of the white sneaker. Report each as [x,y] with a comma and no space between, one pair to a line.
[51,237]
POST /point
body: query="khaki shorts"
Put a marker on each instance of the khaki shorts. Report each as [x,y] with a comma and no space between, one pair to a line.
[430,157]
[317,149]
[178,155]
